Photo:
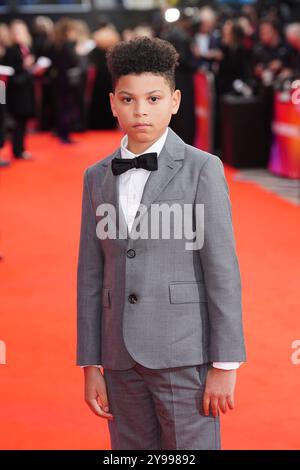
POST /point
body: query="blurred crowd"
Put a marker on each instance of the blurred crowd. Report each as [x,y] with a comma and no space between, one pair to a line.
[56,72]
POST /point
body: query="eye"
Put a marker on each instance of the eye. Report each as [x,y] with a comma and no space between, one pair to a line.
[126,98]
[154,98]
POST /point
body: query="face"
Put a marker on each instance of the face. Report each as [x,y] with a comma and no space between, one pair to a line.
[293,38]
[144,105]
[227,31]
[246,26]
[267,34]
[19,33]
[207,26]
[4,35]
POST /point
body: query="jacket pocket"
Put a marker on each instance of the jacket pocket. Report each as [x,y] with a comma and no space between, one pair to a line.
[105,297]
[182,292]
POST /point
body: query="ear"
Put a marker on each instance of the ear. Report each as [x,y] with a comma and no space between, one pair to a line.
[112,103]
[176,99]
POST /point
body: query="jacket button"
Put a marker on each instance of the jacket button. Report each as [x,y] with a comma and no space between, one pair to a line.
[132,299]
[130,253]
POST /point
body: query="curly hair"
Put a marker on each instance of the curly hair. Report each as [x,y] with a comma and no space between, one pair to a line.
[143,54]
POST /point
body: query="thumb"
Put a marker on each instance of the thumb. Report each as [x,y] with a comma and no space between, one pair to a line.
[104,401]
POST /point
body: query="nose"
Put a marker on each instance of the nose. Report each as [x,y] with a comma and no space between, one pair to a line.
[140,109]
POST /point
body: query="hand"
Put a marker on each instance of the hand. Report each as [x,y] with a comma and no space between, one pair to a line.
[219,391]
[95,392]
[214,54]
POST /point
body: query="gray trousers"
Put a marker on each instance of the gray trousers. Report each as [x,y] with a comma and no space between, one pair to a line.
[160,409]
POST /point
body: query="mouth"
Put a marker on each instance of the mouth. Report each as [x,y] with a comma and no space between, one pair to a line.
[141,126]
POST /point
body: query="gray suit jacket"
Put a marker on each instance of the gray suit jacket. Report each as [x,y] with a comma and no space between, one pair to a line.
[153,301]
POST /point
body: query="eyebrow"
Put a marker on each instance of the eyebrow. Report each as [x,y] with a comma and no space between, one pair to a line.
[128,93]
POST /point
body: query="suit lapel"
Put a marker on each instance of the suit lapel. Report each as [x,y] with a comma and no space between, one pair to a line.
[110,195]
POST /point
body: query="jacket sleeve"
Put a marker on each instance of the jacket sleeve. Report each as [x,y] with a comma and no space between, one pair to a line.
[89,285]
[220,266]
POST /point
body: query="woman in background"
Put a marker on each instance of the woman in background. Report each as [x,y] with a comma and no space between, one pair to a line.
[66,75]
[234,59]
[233,62]
[43,35]
[101,116]
[20,87]
[4,44]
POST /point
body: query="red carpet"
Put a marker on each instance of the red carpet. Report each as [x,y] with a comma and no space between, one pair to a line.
[41,390]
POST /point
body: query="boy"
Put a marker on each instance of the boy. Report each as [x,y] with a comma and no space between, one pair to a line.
[163,320]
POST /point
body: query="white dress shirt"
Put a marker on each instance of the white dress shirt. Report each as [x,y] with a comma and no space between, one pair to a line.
[131,185]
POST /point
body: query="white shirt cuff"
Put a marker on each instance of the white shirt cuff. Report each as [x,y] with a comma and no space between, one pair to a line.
[91,365]
[227,365]
[218,365]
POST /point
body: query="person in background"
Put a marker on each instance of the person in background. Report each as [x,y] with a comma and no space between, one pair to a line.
[249,32]
[233,64]
[101,116]
[66,75]
[292,33]
[181,36]
[84,45]
[251,12]
[20,87]
[270,54]
[207,39]
[43,37]
[3,163]
[4,44]
[233,58]
[4,40]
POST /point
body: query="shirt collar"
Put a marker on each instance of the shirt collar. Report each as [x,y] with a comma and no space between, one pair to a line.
[155,147]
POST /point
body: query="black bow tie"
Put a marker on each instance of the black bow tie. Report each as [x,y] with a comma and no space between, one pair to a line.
[148,161]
